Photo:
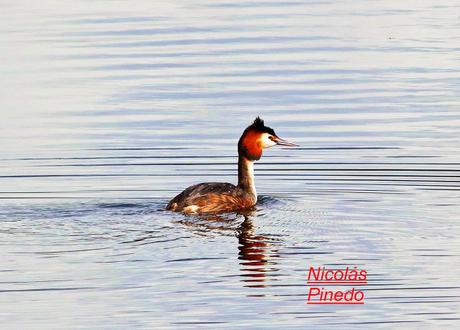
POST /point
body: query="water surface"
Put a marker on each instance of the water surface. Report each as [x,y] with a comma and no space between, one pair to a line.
[109,110]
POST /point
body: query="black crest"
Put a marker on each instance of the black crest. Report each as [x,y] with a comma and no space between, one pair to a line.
[259,125]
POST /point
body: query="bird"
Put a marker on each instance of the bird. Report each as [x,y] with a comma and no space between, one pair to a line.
[220,197]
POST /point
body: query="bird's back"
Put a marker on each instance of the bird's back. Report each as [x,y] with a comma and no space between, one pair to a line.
[211,197]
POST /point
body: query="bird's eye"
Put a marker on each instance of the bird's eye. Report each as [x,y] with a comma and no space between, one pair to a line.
[271,137]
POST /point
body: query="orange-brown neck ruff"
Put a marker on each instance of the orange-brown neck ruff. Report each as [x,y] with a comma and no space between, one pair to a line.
[250,145]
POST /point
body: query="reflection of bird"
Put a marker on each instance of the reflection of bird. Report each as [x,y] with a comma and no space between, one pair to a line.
[214,197]
[257,254]
[254,254]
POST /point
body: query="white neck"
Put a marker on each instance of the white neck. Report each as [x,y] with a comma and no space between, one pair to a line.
[246,175]
[252,183]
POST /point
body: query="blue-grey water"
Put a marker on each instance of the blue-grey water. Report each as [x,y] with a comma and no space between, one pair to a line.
[108,109]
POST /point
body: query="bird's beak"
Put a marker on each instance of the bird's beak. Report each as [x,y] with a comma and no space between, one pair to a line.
[282,142]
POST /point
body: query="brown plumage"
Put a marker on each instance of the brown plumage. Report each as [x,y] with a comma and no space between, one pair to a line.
[216,197]
[212,197]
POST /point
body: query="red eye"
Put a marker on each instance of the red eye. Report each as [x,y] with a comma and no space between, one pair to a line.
[271,137]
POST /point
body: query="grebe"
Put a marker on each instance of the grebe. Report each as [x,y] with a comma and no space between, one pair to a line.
[217,197]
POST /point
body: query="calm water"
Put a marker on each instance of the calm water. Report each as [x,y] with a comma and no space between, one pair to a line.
[109,109]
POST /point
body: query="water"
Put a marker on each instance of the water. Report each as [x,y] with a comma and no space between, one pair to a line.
[108,110]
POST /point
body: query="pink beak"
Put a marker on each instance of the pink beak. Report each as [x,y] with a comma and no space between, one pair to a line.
[282,142]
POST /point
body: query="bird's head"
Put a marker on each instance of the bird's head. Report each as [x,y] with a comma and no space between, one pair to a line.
[257,137]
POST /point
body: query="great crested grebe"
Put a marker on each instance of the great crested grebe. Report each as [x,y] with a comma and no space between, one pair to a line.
[216,197]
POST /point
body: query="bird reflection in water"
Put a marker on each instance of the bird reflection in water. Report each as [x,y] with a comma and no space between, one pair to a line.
[257,253]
